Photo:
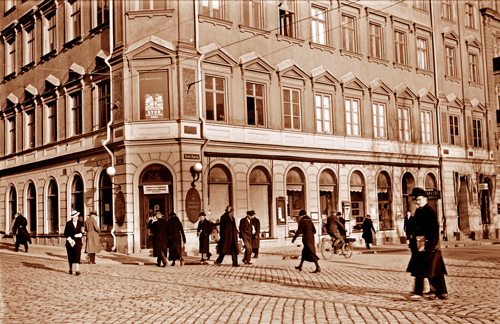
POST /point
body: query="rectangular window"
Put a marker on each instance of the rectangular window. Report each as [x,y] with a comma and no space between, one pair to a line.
[422,5]
[30,125]
[404,124]
[252,13]
[379,126]
[426,122]
[215,98]
[255,104]
[478,133]
[51,122]
[323,105]
[11,146]
[422,54]
[450,62]
[287,18]
[447,9]
[454,134]
[469,16]
[375,40]
[102,12]
[29,45]
[211,8]
[348,33]
[318,19]
[291,108]
[153,92]
[473,68]
[152,4]
[10,56]
[400,47]
[75,27]
[104,104]
[51,33]
[76,112]
[352,117]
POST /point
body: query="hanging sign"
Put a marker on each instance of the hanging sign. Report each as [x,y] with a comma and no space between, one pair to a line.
[156,190]
[193,205]
[120,208]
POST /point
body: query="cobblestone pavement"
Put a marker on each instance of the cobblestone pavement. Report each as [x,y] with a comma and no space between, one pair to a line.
[36,288]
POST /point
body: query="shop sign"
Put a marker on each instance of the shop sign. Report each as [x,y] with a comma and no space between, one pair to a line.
[483,186]
[120,208]
[433,194]
[193,205]
[155,190]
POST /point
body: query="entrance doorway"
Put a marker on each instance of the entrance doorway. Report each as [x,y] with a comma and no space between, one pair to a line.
[152,205]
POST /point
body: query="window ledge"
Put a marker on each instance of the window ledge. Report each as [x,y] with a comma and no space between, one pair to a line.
[254,31]
[343,52]
[475,85]
[150,13]
[98,29]
[73,42]
[215,21]
[290,40]
[452,79]
[28,66]
[49,55]
[10,76]
[403,67]
[425,72]
[378,60]
[323,48]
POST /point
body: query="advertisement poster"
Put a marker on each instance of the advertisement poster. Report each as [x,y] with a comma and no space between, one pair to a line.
[154,95]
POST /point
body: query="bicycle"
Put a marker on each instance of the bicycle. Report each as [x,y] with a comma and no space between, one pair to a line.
[328,250]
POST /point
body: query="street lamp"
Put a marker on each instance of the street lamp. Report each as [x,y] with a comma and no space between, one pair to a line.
[195,173]
[111,171]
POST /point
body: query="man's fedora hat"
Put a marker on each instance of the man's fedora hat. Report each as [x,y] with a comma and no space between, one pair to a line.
[417,191]
[302,213]
[93,212]
[75,213]
[251,212]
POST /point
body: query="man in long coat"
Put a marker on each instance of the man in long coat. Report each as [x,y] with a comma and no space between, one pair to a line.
[306,227]
[368,231]
[21,233]
[205,228]
[93,242]
[255,236]
[176,234]
[228,243]
[246,235]
[161,232]
[429,262]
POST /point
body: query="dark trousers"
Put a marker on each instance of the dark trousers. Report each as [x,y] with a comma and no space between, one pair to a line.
[25,243]
[91,257]
[255,251]
[161,259]
[248,249]
[234,255]
[436,282]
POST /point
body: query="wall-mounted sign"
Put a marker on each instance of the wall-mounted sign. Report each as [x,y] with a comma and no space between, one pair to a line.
[483,186]
[153,91]
[155,190]
[191,156]
[193,205]
[120,208]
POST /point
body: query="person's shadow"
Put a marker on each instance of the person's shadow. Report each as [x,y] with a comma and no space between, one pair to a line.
[40,266]
[9,246]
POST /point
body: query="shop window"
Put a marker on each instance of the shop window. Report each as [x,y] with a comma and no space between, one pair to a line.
[220,188]
[153,89]
[384,196]
[105,202]
[295,193]
[31,210]
[77,197]
[260,198]
[53,208]
[357,195]
[328,196]
[12,203]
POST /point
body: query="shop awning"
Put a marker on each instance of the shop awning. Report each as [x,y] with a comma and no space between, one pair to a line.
[294,187]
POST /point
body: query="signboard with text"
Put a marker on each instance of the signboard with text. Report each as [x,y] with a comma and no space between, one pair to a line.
[156,190]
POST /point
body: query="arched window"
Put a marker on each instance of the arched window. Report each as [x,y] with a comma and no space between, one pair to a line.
[407,186]
[295,192]
[12,203]
[219,190]
[53,207]
[384,196]
[77,197]
[357,191]
[328,193]
[260,198]
[105,202]
[31,207]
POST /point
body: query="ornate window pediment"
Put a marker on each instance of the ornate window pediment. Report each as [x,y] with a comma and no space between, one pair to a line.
[254,62]
[402,91]
[351,81]
[450,34]
[425,95]
[453,100]
[215,54]
[322,75]
[378,86]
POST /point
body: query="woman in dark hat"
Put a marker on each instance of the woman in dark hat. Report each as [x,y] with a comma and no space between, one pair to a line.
[306,227]
[21,233]
[205,228]
[93,242]
[174,244]
[368,231]
[73,235]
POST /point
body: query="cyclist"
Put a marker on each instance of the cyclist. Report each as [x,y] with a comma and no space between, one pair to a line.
[333,224]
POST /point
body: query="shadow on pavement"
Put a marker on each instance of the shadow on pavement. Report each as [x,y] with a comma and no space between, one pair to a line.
[8,246]
[40,266]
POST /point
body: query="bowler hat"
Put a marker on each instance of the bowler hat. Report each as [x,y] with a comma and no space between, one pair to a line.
[203,214]
[172,214]
[417,191]
[250,212]
[339,213]
[302,213]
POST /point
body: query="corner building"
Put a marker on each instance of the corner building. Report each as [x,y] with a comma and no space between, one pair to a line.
[318,105]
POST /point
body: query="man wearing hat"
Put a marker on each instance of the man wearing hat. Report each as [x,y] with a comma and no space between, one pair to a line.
[228,242]
[205,228]
[93,243]
[427,262]
[246,235]
[307,229]
[161,233]
[21,233]
[255,236]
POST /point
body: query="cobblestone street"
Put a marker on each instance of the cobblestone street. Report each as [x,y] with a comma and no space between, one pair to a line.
[368,288]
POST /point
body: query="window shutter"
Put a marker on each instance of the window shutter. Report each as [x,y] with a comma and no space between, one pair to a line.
[444,127]
[469,130]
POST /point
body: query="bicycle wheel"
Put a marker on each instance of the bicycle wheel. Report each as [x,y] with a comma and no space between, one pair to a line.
[347,250]
[327,249]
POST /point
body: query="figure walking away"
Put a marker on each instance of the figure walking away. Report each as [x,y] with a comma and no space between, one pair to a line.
[205,228]
[306,227]
[426,261]
[93,245]
[246,235]
[73,235]
[255,236]
[368,231]
[161,232]
[228,242]
[21,233]
[176,235]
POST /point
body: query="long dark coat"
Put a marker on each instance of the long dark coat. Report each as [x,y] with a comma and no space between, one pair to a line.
[333,225]
[75,251]
[367,230]
[20,231]
[93,230]
[176,234]
[161,233]
[306,227]
[256,236]
[428,263]
[228,234]
[204,230]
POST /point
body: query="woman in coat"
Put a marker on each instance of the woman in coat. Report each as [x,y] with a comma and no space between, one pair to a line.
[205,228]
[306,227]
[21,233]
[73,235]
[367,231]
[176,234]
[93,242]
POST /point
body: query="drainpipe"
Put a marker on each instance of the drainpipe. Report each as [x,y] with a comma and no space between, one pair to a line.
[200,91]
[438,119]
[108,130]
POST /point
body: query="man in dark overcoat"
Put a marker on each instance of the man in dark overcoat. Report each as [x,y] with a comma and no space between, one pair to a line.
[429,262]
[306,227]
[368,231]
[255,235]
[161,232]
[228,243]
[21,233]
[246,235]
[205,228]
[176,235]
[93,241]
[333,226]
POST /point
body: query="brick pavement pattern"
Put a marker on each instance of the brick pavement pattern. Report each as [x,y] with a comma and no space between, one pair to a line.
[38,289]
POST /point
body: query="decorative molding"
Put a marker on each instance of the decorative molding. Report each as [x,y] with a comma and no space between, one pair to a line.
[402,66]
[323,48]
[358,56]
[290,40]
[372,59]
[215,21]
[150,13]
[254,31]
